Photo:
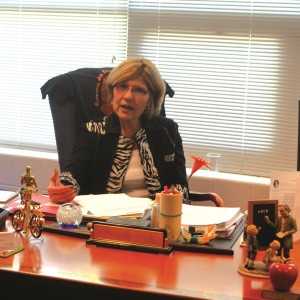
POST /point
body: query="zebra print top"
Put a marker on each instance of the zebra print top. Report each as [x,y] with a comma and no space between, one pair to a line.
[121,162]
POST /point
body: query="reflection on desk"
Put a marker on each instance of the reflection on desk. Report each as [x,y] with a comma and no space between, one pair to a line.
[60,262]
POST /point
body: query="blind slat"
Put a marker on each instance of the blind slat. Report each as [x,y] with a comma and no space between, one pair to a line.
[234,68]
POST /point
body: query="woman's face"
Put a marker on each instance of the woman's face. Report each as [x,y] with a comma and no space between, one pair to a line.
[130,99]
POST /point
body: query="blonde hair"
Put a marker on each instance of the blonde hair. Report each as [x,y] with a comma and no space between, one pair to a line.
[144,69]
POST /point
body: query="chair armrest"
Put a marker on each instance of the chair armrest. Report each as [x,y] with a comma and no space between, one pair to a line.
[217,199]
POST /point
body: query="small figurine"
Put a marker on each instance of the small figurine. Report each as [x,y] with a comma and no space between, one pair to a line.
[28,216]
[28,187]
[259,268]
[252,245]
[285,226]
[28,182]
[271,254]
[208,235]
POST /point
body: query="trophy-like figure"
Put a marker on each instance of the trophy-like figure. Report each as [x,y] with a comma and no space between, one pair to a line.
[28,216]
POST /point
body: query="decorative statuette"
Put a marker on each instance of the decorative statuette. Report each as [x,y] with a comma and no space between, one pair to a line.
[28,216]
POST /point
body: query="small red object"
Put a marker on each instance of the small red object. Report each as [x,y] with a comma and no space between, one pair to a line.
[166,189]
[198,164]
[283,276]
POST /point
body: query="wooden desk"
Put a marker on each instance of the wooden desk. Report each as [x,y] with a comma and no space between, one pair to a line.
[60,262]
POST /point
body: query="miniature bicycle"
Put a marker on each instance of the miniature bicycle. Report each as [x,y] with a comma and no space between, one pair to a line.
[34,221]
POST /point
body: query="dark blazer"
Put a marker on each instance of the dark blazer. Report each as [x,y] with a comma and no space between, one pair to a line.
[93,155]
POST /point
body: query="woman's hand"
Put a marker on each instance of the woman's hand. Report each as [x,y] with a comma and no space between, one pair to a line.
[59,193]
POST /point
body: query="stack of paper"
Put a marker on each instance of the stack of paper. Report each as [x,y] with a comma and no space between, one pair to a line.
[109,205]
[6,196]
[199,217]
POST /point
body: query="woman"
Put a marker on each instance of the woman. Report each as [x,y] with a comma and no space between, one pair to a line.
[132,150]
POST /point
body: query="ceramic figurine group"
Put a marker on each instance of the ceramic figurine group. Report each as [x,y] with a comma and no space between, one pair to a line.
[28,216]
[279,248]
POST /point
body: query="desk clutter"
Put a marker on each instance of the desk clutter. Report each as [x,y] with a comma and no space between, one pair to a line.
[225,234]
[191,228]
[140,224]
[119,220]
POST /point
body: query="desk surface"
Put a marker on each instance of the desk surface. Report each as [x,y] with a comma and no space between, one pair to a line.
[180,274]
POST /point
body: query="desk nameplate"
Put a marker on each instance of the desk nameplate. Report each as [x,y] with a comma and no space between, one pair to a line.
[129,237]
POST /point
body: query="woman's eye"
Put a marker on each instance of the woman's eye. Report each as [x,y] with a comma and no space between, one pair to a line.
[122,86]
[140,91]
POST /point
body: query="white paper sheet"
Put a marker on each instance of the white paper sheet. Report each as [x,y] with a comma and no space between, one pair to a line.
[6,196]
[208,215]
[109,205]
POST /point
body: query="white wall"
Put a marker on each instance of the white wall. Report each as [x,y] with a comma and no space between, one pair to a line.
[13,163]
[236,190]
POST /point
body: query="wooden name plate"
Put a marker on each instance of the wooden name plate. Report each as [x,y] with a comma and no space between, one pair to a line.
[128,237]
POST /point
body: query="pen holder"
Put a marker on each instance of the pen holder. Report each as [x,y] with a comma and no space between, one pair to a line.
[170,214]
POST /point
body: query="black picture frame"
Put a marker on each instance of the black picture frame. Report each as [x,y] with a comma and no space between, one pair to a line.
[257,210]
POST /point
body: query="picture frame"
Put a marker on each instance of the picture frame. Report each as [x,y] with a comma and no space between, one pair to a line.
[257,211]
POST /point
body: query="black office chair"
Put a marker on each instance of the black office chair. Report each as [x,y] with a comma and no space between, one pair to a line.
[72,98]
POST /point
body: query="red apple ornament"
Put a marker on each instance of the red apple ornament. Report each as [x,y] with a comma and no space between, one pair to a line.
[283,276]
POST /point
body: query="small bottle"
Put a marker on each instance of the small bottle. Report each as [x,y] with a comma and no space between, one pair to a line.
[155,215]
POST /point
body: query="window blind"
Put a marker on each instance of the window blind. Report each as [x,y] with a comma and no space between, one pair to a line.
[42,39]
[234,66]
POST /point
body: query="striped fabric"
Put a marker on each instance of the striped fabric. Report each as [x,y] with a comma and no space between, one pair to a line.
[121,162]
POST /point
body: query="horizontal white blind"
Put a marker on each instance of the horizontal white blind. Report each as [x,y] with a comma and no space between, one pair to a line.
[234,66]
[42,39]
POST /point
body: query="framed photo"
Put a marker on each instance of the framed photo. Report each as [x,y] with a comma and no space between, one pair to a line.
[257,211]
